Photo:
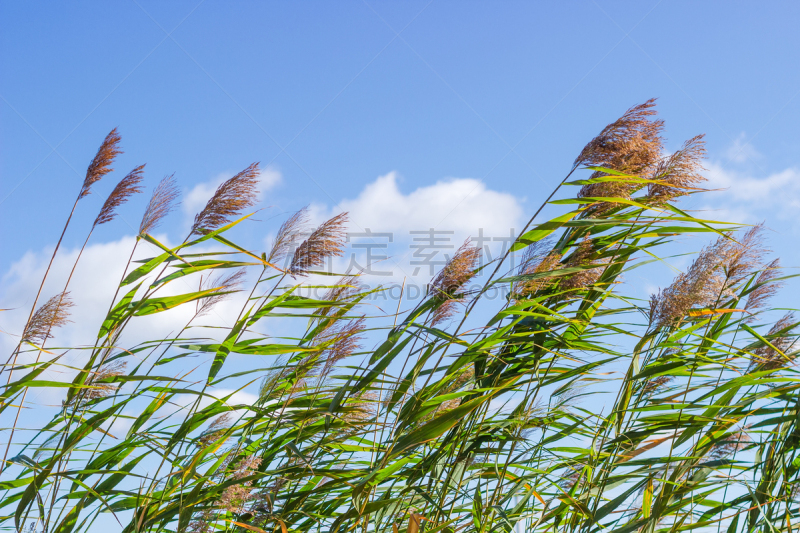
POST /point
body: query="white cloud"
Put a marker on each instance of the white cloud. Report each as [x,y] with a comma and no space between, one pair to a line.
[194,200]
[742,151]
[751,197]
[463,205]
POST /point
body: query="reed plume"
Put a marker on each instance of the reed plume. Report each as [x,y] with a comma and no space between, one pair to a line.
[230,199]
[740,259]
[162,202]
[656,384]
[583,257]
[701,285]
[52,314]
[631,144]
[764,287]
[324,242]
[101,164]
[781,337]
[127,187]
[236,496]
[344,289]
[732,444]
[215,430]
[678,172]
[98,385]
[224,285]
[446,286]
[289,233]
[340,341]
[537,259]
[458,383]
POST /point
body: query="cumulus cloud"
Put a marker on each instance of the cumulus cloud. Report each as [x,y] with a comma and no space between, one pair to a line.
[463,205]
[412,234]
[748,196]
[741,151]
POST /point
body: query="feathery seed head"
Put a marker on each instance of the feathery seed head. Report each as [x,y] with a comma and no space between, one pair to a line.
[127,187]
[733,443]
[163,201]
[98,386]
[679,171]
[764,287]
[231,198]
[582,257]
[447,286]
[781,337]
[215,430]
[235,497]
[324,242]
[52,314]
[289,233]
[341,340]
[701,285]
[101,164]
[632,144]
[224,284]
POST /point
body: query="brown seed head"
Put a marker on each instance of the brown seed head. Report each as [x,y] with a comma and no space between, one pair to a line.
[700,286]
[655,384]
[679,171]
[127,187]
[765,287]
[224,284]
[215,430]
[781,337]
[733,443]
[163,201]
[231,198]
[101,164]
[340,341]
[537,259]
[98,386]
[447,286]
[235,497]
[52,314]
[343,290]
[744,257]
[289,233]
[632,144]
[324,242]
[583,257]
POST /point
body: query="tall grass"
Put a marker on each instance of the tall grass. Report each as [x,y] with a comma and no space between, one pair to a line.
[572,406]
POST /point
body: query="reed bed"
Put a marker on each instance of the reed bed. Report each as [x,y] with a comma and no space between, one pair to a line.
[571,406]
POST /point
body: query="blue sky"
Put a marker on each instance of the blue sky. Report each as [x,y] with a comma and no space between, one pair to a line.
[379,108]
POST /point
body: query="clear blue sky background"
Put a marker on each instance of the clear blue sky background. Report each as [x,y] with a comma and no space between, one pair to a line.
[335,94]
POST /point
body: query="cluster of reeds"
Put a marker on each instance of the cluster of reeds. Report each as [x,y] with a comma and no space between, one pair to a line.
[560,410]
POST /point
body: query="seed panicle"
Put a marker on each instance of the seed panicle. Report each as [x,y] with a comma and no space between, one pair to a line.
[127,187]
[764,287]
[52,314]
[632,144]
[447,286]
[162,202]
[679,171]
[289,233]
[230,199]
[101,164]
[224,284]
[782,338]
[324,242]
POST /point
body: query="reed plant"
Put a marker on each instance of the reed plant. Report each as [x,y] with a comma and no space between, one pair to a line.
[573,405]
